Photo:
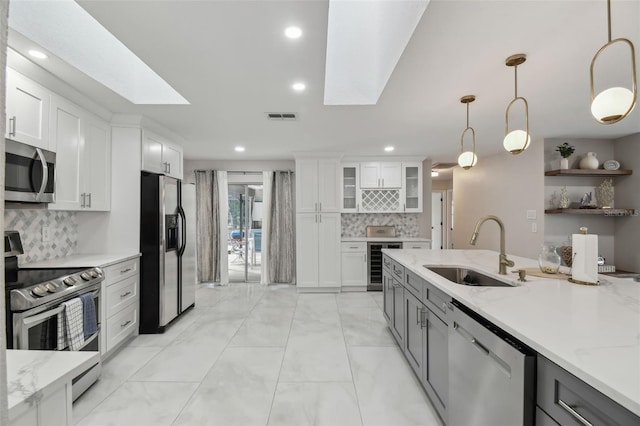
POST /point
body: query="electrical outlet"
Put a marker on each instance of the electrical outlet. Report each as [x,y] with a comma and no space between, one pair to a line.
[46,234]
[534,227]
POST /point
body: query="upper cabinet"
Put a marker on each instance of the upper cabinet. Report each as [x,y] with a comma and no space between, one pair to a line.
[381,187]
[83,158]
[380,175]
[27,106]
[317,185]
[161,156]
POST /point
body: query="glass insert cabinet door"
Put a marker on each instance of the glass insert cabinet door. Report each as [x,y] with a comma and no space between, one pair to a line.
[412,188]
[350,201]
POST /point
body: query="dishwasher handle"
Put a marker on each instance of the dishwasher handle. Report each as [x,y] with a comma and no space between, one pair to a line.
[500,363]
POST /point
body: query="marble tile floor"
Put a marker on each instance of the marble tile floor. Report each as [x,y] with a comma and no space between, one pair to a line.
[262,355]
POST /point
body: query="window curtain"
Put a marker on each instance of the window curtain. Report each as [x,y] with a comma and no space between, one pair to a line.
[282,239]
[207,224]
[267,184]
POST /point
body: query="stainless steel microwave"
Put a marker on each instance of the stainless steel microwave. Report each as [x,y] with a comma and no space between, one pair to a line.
[29,173]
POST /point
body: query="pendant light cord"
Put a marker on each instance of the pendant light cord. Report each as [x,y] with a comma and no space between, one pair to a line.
[609,19]
[515,70]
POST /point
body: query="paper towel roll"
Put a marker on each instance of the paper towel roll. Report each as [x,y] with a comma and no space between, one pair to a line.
[585,258]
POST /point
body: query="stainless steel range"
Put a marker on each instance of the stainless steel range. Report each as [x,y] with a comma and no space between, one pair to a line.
[374,253]
[34,300]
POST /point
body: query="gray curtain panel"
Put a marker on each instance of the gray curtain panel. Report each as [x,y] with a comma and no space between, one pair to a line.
[282,240]
[208,224]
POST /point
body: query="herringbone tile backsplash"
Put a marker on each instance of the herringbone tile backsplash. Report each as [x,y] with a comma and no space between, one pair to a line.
[63,233]
[355,224]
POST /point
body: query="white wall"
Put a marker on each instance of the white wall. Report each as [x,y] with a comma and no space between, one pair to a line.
[117,231]
[506,186]
[441,185]
[627,229]
[235,165]
[424,218]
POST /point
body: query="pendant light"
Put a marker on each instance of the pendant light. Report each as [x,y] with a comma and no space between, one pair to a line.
[615,103]
[516,141]
[468,159]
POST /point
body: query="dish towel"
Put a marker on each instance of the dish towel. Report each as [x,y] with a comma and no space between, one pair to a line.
[62,331]
[89,315]
[74,323]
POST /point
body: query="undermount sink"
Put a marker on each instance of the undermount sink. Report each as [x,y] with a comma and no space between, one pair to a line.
[465,276]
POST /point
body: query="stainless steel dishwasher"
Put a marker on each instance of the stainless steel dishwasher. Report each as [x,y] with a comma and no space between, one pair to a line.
[491,374]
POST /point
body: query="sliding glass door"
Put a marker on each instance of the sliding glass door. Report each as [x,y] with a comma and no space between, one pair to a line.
[245,232]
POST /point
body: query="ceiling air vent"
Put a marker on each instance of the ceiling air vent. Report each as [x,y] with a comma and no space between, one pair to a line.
[282,116]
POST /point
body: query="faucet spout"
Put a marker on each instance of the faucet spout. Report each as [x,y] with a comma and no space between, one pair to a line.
[503,261]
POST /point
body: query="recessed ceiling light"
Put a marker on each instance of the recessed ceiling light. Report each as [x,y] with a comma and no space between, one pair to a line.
[389,148]
[299,87]
[293,32]
[239,148]
[37,54]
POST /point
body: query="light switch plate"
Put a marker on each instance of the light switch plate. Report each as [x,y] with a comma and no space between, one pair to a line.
[531,214]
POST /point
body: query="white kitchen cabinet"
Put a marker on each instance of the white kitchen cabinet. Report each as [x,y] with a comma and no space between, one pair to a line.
[160,155]
[354,266]
[412,187]
[318,251]
[120,303]
[380,175]
[67,134]
[83,159]
[350,189]
[317,185]
[419,245]
[28,111]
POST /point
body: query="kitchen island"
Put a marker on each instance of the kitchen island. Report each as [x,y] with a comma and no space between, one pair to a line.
[593,332]
[39,385]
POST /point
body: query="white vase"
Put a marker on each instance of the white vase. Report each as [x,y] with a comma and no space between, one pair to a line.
[564,163]
[589,161]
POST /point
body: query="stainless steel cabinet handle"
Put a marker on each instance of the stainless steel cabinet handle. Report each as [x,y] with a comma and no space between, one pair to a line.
[126,323]
[357,207]
[169,168]
[353,247]
[365,258]
[12,126]
[83,199]
[320,216]
[125,294]
[126,270]
[444,306]
[423,318]
[320,209]
[417,315]
[89,198]
[574,413]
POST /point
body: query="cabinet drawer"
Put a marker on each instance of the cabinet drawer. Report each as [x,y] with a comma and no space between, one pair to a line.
[356,247]
[416,245]
[122,294]
[387,262]
[121,325]
[122,270]
[567,399]
[397,270]
[414,284]
[436,300]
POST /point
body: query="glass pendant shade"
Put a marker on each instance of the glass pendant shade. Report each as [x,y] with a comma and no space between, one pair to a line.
[467,159]
[516,141]
[612,104]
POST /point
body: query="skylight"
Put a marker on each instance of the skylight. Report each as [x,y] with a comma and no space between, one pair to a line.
[365,40]
[68,31]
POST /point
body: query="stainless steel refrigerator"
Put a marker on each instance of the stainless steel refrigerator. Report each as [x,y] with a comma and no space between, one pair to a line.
[167,244]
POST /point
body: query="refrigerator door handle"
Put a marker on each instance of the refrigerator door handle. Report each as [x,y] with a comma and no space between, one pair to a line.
[183,231]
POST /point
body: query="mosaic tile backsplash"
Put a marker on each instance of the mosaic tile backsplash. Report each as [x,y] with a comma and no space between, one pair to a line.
[355,224]
[63,233]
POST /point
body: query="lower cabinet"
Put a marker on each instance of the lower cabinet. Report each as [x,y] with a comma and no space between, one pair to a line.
[50,407]
[566,400]
[354,266]
[121,297]
[421,333]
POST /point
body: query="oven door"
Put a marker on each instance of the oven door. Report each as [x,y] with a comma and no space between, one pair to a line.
[29,173]
[37,329]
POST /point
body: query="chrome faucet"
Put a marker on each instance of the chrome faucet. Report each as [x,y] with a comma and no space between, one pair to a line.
[504,262]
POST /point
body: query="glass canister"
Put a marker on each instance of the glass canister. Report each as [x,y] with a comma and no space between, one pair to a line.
[549,260]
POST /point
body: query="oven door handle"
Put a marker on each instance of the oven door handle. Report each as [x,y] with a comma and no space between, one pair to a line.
[45,173]
[47,314]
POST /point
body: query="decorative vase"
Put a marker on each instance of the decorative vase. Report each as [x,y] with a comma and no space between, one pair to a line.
[589,161]
[564,163]
[549,260]
[564,199]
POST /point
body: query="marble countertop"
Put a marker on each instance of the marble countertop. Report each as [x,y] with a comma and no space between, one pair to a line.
[591,331]
[385,239]
[29,373]
[82,260]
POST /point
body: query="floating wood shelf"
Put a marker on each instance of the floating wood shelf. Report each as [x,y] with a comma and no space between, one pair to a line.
[588,172]
[595,212]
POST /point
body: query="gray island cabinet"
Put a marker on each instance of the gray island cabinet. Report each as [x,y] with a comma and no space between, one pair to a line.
[416,313]
[420,310]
